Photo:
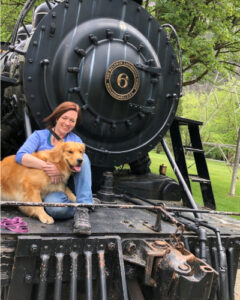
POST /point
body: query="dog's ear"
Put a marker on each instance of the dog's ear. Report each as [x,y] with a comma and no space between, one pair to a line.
[83,147]
[56,152]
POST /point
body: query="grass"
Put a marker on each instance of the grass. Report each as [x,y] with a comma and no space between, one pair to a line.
[220,175]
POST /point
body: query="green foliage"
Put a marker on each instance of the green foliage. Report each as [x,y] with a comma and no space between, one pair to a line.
[218,108]
[209,34]
[10,10]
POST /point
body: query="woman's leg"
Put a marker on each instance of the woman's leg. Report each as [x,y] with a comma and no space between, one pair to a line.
[83,191]
[83,182]
[59,213]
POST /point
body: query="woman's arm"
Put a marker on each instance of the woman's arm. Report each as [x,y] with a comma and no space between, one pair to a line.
[31,161]
[25,158]
[52,171]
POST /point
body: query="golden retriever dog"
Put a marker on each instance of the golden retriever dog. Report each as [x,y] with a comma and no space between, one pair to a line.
[19,183]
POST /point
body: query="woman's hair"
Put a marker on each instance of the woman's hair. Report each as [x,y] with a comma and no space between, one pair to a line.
[61,109]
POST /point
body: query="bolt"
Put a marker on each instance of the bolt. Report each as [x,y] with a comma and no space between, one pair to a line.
[28,278]
[131,248]
[184,267]
[111,246]
[33,248]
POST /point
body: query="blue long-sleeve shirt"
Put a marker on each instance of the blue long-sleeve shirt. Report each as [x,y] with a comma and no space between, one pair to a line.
[41,140]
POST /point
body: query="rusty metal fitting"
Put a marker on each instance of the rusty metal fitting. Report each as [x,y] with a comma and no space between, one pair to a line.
[184,267]
[160,244]
[131,248]
[111,246]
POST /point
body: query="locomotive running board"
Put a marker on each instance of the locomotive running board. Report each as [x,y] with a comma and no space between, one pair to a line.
[52,265]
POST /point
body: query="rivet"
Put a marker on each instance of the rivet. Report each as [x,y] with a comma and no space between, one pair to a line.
[140,47]
[93,39]
[184,267]
[35,43]
[28,278]
[29,78]
[159,29]
[30,60]
[109,34]
[54,14]
[38,113]
[97,120]
[66,5]
[141,115]
[128,123]
[43,27]
[33,248]
[126,38]
[52,28]
[154,80]
[111,246]
[32,96]
[44,62]
[80,52]
[131,248]
[150,18]
[138,8]
[73,69]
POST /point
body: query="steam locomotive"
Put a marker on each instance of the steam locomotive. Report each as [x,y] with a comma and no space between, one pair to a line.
[114,60]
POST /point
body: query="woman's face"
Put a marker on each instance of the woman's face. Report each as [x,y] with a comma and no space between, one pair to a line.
[66,122]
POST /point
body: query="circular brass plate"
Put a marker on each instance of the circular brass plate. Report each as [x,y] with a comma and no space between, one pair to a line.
[122,80]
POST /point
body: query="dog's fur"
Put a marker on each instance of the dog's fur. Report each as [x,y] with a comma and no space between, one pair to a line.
[19,183]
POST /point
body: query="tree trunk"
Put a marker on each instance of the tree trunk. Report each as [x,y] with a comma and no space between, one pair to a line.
[236,166]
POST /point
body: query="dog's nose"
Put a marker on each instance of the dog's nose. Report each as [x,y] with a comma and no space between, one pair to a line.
[79,161]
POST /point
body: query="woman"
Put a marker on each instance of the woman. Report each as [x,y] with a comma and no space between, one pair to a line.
[59,126]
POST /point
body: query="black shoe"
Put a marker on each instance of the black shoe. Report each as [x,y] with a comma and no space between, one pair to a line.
[81,222]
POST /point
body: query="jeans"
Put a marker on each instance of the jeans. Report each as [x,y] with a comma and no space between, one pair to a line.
[83,191]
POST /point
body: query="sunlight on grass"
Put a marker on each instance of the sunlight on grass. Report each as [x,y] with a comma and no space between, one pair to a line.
[220,175]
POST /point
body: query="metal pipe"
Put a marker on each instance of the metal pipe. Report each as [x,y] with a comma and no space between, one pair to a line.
[231,272]
[58,278]
[216,267]
[103,283]
[43,277]
[122,206]
[180,177]
[223,267]
[25,28]
[89,288]
[202,236]
[27,123]
[73,282]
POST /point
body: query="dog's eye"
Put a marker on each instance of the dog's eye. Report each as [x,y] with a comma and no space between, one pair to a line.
[70,152]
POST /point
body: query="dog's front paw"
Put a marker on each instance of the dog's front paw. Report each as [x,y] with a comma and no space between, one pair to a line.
[46,219]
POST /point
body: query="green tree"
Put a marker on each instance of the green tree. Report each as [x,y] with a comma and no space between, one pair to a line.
[218,107]
[209,34]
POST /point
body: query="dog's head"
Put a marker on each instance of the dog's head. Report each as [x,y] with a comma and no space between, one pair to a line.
[71,154]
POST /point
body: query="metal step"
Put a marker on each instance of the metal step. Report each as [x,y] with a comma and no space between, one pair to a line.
[187,148]
[196,178]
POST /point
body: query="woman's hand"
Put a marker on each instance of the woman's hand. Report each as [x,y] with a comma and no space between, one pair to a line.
[53,172]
